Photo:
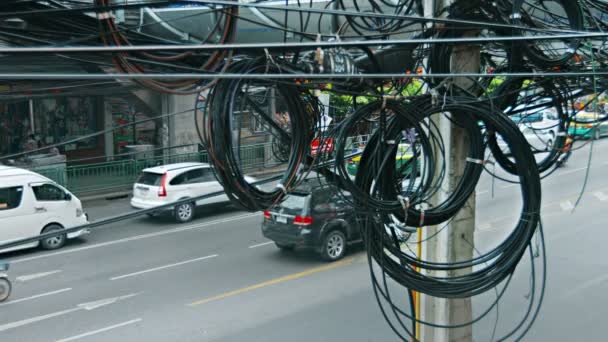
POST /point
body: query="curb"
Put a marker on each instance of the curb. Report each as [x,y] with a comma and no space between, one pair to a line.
[107,196]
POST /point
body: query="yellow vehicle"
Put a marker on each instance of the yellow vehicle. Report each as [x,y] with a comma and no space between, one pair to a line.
[404,154]
[586,125]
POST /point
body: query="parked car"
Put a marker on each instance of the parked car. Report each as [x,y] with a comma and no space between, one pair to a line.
[529,112]
[31,204]
[540,134]
[588,126]
[172,182]
[315,216]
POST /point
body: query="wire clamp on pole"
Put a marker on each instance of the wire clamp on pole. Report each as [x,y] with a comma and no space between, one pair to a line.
[405,204]
[319,55]
[421,217]
[434,96]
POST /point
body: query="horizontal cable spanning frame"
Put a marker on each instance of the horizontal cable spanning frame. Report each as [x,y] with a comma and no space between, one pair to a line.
[277,7]
[298,45]
[326,77]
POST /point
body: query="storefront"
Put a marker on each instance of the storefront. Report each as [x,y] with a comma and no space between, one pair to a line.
[122,112]
[37,123]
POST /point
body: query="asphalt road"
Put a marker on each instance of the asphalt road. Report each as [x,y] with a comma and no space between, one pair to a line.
[218,279]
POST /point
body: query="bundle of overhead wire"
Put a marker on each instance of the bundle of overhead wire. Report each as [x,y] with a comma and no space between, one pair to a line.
[229,97]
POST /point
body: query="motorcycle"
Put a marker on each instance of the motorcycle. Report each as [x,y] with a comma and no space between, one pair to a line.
[562,159]
[5,283]
[567,151]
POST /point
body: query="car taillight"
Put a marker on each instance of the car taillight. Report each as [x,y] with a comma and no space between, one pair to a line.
[162,192]
[267,214]
[589,126]
[302,220]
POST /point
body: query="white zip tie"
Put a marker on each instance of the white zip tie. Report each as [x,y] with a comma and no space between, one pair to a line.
[282,187]
[104,15]
[421,217]
[479,161]
[405,203]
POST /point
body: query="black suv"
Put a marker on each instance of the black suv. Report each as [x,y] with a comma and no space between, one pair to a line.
[315,216]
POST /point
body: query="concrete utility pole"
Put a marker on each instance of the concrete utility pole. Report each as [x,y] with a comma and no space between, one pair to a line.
[455,242]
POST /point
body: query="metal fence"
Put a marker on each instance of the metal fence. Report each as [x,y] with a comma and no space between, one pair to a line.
[120,175]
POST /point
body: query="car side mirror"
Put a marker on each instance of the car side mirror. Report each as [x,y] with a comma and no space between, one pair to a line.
[68,197]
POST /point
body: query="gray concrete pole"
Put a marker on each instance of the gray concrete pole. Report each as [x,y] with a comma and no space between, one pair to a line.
[455,242]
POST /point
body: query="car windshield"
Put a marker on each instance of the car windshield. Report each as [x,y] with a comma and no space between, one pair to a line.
[294,201]
[149,178]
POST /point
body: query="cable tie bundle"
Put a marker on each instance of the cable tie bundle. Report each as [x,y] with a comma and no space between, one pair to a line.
[479,161]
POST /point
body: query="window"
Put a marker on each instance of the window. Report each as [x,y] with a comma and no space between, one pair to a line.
[149,178]
[295,201]
[10,198]
[200,176]
[48,192]
[208,175]
[195,176]
[179,179]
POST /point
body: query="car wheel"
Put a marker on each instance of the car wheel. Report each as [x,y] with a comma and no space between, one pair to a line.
[285,247]
[334,246]
[184,212]
[5,289]
[53,242]
[549,146]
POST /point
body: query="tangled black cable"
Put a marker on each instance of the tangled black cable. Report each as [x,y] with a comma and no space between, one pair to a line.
[223,149]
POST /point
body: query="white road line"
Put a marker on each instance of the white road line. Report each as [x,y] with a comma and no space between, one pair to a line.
[509,186]
[84,306]
[572,171]
[566,205]
[261,244]
[36,296]
[29,277]
[94,332]
[586,285]
[106,301]
[600,195]
[163,267]
[21,323]
[134,238]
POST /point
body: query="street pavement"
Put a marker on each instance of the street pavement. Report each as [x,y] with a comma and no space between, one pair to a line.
[218,279]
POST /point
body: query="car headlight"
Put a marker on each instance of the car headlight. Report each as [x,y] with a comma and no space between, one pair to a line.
[79,212]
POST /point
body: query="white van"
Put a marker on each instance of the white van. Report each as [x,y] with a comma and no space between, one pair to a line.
[31,204]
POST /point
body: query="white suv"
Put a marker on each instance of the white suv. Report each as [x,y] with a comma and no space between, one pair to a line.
[169,183]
